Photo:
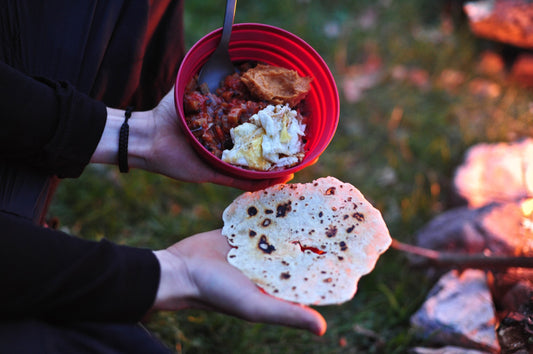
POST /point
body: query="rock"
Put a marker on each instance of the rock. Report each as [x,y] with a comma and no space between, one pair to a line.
[509,22]
[455,230]
[503,226]
[496,229]
[459,311]
[499,172]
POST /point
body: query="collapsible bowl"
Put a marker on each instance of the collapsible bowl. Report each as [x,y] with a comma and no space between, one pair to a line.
[274,46]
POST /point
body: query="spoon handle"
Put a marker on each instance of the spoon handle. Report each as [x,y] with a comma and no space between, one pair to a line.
[228,22]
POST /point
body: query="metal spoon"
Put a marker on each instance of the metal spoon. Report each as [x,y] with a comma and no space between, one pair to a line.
[219,64]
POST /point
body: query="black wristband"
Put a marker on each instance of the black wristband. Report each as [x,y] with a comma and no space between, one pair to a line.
[123,142]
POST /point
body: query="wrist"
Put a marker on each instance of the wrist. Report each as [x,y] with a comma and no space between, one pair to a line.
[175,288]
[140,138]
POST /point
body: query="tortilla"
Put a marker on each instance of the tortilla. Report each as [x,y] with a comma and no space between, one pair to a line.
[306,243]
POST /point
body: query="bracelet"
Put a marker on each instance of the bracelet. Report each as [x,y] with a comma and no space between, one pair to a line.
[123,142]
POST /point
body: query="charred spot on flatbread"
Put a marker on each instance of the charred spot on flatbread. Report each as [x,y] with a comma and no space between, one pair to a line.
[285,275]
[316,239]
[264,246]
[343,246]
[266,222]
[330,191]
[331,231]
[283,208]
[252,211]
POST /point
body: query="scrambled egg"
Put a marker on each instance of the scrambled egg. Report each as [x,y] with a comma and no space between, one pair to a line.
[272,138]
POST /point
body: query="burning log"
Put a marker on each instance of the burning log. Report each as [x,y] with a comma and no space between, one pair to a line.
[432,258]
[515,332]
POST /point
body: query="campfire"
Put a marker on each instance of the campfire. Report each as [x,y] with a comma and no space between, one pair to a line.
[485,302]
[481,251]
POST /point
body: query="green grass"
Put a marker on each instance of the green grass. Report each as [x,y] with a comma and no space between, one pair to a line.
[405,167]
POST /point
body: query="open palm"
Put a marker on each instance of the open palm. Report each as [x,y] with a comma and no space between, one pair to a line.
[216,285]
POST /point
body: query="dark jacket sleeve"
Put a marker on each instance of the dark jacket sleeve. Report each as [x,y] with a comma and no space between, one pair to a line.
[49,274]
[63,138]
[60,277]
[117,52]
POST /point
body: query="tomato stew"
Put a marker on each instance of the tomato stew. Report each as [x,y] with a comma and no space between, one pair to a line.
[211,116]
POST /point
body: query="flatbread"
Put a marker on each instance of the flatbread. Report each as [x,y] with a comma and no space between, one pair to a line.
[307,243]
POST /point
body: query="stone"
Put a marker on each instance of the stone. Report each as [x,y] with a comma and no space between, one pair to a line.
[459,311]
[455,230]
[505,21]
[499,172]
[496,229]
[506,233]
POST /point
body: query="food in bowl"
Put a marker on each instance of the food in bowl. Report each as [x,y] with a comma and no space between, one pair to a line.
[276,85]
[254,120]
[272,138]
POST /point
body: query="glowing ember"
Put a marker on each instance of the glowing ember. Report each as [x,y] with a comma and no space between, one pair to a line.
[527,207]
[527,211]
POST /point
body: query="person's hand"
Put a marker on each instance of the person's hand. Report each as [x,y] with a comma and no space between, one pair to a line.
[173,156]
[157,144]
[195,274]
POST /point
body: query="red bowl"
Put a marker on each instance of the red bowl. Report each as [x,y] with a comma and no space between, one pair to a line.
[274,46]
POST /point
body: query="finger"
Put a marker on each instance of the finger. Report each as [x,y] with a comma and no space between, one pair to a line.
[214,245]
[269,309]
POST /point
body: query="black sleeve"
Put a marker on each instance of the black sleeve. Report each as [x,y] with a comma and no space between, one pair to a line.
[47,124]
[51,275]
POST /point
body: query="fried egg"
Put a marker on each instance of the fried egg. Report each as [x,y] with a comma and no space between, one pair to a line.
[272,138]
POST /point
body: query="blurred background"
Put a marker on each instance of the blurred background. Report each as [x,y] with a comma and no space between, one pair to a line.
[417,88]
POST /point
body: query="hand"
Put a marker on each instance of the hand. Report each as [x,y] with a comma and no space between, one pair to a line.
[157,144]
[195,274]
[173,156]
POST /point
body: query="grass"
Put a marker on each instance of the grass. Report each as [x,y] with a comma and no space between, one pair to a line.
[399,145]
